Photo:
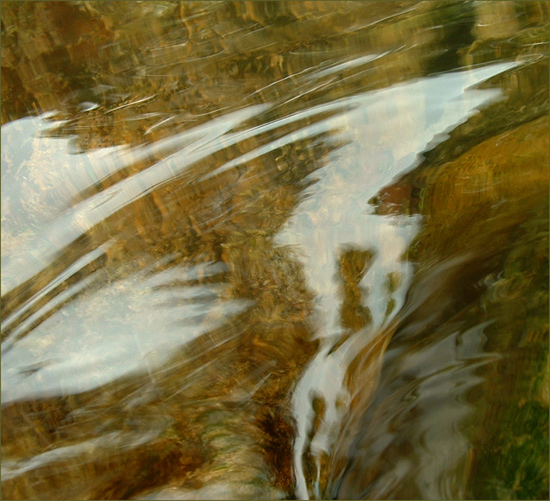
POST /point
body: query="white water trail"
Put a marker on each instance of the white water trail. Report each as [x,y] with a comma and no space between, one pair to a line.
[386,133]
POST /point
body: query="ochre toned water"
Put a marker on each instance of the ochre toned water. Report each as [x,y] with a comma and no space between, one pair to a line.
[263,250]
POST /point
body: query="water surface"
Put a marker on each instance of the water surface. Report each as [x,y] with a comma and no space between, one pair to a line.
[275,250]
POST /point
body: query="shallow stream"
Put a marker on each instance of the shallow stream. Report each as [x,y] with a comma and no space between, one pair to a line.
[260,250]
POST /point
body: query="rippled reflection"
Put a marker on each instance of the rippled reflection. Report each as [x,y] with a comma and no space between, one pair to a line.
[275,250]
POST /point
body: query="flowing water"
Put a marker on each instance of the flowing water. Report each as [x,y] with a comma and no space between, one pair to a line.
[275,250]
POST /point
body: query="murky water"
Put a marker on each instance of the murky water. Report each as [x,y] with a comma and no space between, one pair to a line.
[275,250]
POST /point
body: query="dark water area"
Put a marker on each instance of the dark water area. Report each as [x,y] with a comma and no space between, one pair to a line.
[275,250]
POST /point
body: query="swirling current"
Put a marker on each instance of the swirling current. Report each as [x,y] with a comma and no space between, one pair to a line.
[275,250]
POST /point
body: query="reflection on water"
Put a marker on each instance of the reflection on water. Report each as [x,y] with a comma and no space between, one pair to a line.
[275,250]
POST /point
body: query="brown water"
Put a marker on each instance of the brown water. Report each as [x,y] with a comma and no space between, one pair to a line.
[275,250]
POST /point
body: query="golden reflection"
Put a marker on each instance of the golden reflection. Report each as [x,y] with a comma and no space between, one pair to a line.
[160,337]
